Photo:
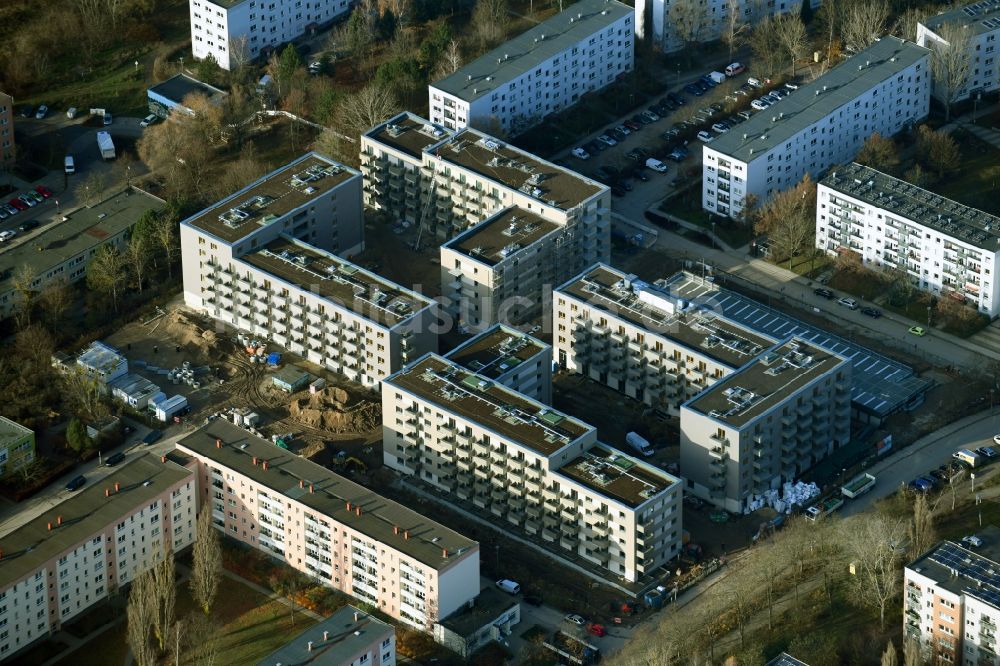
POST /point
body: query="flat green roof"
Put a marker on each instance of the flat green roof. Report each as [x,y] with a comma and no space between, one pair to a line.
[531,48]
[85,514]
[814,101]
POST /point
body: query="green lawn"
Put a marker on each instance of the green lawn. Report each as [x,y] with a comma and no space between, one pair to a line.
[977,181]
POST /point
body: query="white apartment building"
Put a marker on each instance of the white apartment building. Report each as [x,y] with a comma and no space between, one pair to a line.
[641,340]
[542,71]
[709,23]
[59,564]
[944,248]
[951,601]
[349,637]
[332,529]
[529,468]
[507,356]
[884,89]
[238,31]
[765,424]
[981,22]
[262,262]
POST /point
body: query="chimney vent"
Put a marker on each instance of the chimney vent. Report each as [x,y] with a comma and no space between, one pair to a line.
[406,534]
[348,506]
[58,520]
[302,484]
[326,635]
[107,492]
[357,510]
[444,553]
[163,459]
[309,646]
[264,465]
[310,487]
[118,487]
[255,461]
[50,526]
[395,529]
[218,443]
[356,616]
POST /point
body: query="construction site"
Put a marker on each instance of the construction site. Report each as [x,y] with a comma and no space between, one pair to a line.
[298,404]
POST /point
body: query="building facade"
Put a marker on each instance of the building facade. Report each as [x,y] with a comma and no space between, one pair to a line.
[7,146]
[639,339]
[235,32]
[262,262]
[765,424]
[951,601]
[883,89]
[492,616]
[349,637]
[17,446]
[542,71]
[331,529]
[980,23]
[943,247]
[507,356]
[62,252]
[530,468]
[72,556]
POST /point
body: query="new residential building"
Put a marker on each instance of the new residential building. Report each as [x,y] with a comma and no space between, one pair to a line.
[332,529]
[951,600]
[62,251]
[17,446]
[676,24]
[7,149]
[766,423]
[943,247]
[529,468]
[349,637]
[641,340]
[72,556]
[542,71]
[883,89]
[507,356]
[234,32]
[978,24]
[262,262]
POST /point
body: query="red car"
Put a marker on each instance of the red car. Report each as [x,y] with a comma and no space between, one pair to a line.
[18,204]
[596,629]
[632,125]
[44,191]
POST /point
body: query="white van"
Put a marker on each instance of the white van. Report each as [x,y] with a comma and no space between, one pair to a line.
[656,165]
[966,456]
[734,69]
[718,77]
[68,165]
[509,586]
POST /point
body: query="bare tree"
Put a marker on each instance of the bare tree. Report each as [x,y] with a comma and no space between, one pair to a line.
[766,45]
[92,188]
[912,653]
[239,56]
[239,173]
[164,232]
[863,22]
[200,638]
[830,16]
[788,220]
[740,591]
[366,108]
[136,257]
[490,20]
[889,657]
[937,150]
[689,18]
[879,152]
[905,25]
[84,395]
[140,616]
[165,596]
[206,562]
[450,61]
[23,282]
[180,153]
[872,543]
[54,300]
[950,63]
[921,528]
[792,36]
[107,274]
[734,28]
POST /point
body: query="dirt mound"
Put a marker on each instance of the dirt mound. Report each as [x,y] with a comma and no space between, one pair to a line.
[329,409]
[187,332]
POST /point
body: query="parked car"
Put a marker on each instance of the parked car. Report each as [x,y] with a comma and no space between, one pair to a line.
[594,146]
[151,437]
[617,134]
[632,125]
[848,303]
[704,136]
[114,459]
[42,111]
[29,200]
[11,210]
[3,213]
[670,134]
[874,313]
[76,483]
[996,439]
[708,81]
[637,153]
[108,119]
[36,196]
[71,112]
[676,99]
[18,204]
[580,153]
[623,129]
[988,451]
[694,90]
[972,541]
[721,128]
[823,293]
[755,83]
[626,184]
[28,226]
[650,116]
[941,474]
[678,154]
[745,115]
[653,111]
[607,140]
[669,103]
[618,191]
[760,104]
[791,86]
[7,235]
[920,484]
[656,165]
[734,69]
[148,120]
[44,191]
[573,618]
[596,629]
[917,331]
[508,586]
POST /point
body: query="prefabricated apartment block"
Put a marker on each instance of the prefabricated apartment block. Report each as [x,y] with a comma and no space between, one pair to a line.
[766,423]
[507,356]
[235,32]
[883,89]
[17,446]
[979,25]
[349,637]
[332,529]
[640,340]
[529,468]
[61,252]
[7,146]
[951,600]
[519,224]
[262,262]
[542,71]
[674,30]
[77,553]
[943,247]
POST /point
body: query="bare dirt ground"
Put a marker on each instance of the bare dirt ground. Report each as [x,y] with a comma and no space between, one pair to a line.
[343,416]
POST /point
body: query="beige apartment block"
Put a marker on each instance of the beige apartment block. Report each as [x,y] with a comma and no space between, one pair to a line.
[507,356]
[529,468]
[951,600]
[766,423]
[332,529]
[446,183]
[639,339]
[61,563]
[262,261]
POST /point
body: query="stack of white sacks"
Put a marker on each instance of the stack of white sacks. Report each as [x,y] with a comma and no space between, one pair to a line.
[791,494]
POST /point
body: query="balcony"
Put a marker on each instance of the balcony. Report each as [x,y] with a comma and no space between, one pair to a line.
[717,452]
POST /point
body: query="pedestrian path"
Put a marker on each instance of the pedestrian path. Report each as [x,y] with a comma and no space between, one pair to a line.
[990,135]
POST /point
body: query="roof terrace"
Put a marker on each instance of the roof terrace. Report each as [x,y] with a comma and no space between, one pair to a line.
[497,351]
[502,235]
[408,133]
[617,476]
